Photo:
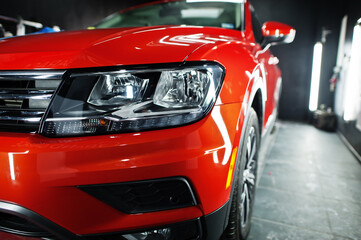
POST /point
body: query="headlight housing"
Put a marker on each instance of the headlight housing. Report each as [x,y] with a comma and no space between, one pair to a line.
[132,99]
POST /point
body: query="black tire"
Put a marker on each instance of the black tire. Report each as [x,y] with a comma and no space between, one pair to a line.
[239,223]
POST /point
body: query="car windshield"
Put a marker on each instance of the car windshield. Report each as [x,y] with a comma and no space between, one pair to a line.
[190,12]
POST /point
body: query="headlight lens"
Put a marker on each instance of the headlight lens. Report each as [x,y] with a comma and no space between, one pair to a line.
[185,88]
[117,89]
[130,100]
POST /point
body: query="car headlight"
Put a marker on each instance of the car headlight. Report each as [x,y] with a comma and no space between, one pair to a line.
[132,99]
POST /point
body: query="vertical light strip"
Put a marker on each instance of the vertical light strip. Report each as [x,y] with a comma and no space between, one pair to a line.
[341,42]
[218,119]
[11,163]
[316,73]
[352,87]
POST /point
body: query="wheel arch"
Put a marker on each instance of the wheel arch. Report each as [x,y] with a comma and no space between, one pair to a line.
[258,106]
[256,100]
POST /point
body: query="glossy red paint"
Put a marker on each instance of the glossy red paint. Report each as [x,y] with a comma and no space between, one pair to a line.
[277,29]
[47,171]
[108,47]
[41,174]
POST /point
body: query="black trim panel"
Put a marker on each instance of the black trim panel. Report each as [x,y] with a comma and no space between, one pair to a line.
[210,227]
[144,196]
[37,220]
[216,222]
[10,223]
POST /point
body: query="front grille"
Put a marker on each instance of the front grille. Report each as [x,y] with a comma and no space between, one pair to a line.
[144,196]
[16,225]
[24,97]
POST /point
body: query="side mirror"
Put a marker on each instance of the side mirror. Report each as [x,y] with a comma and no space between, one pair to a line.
[275,33]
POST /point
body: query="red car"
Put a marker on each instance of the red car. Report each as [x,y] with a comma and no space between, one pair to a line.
[147,127]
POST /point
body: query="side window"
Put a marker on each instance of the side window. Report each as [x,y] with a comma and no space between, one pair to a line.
[257,27]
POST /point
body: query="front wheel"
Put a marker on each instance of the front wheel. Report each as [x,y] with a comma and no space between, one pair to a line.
[239,223]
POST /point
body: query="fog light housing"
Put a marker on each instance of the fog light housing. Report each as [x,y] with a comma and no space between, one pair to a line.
[189,230]
[159,234]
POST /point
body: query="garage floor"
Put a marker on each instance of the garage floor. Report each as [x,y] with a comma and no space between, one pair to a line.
[309,188]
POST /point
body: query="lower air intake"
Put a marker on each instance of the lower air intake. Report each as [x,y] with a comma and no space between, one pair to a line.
[13,224]
[144,196]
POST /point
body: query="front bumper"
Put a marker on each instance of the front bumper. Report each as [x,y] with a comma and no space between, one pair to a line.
[208,227]
[42,174]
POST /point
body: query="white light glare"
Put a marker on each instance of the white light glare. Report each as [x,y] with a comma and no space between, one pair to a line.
[11,164]
[353,89]
[316,73]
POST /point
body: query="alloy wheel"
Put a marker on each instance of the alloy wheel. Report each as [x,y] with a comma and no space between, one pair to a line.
[249,178]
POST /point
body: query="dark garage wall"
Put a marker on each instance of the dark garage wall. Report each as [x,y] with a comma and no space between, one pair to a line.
[307,16]
[296,58]
[348,129]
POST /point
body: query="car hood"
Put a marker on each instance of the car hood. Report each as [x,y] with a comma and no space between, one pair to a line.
[108,47]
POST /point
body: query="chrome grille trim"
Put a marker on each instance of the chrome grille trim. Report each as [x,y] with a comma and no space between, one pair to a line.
[30,95]
[24,98]
[33,75]
[25,119]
